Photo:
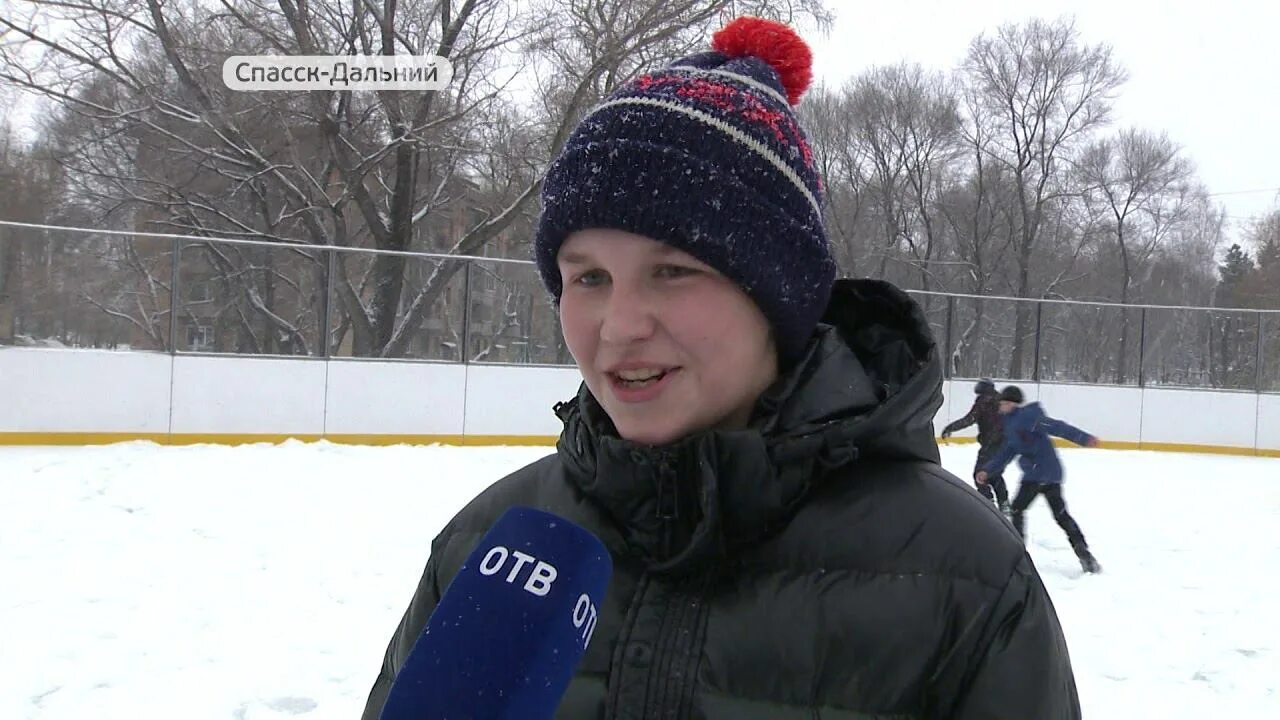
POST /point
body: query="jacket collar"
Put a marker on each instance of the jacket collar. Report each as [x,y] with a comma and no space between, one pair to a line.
[868,385]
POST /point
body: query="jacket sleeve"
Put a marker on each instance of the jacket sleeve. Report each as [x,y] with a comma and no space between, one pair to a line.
[424,601]
[1021,666]
[963,422]
[1003,457]
[1057,428]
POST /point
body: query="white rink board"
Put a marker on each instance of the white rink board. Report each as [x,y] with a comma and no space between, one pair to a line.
[55,390]
[248,395]
[507,400]
[1111,413]
[1269,422]
[1199,417]
[396,398]
[51,390]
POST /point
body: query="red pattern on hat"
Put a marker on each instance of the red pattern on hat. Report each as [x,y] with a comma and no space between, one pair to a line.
[736,101]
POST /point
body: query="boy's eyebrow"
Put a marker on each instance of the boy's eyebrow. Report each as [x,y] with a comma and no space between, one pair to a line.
[579,258]
[573,258]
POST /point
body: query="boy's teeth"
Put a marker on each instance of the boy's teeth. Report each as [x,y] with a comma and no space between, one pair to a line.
[635,375]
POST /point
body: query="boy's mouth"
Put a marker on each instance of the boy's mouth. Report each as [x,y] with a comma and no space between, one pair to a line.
[639,377]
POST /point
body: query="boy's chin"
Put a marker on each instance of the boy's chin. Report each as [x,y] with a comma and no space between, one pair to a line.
[651,435]
[659,430]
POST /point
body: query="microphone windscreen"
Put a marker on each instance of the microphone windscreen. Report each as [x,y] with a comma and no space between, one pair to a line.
[508,632]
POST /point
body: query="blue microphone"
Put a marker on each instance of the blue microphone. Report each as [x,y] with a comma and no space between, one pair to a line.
[511,627]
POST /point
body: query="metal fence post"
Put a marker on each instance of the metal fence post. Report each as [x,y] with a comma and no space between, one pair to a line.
[1035,366]
[466,312]
[326,319]
[529,349]
[174,295]
[946,354]
[1257,363]
[1142,348]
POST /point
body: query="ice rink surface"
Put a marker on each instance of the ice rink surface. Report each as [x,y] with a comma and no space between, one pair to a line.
[140,582]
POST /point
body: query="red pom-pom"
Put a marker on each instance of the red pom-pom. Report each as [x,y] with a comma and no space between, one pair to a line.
[773,42]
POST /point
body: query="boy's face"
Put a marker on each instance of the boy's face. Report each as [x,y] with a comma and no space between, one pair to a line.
[666,344]
[1007,406]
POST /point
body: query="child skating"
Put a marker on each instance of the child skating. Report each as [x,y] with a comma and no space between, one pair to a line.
[986,414]
[1027,430]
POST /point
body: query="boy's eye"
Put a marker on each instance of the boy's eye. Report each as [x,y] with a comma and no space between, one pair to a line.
[675,271]
[590,278]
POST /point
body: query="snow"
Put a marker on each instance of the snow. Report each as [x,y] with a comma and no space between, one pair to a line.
[262,582]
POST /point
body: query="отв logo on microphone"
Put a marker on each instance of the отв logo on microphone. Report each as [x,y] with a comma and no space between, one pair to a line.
[538,582]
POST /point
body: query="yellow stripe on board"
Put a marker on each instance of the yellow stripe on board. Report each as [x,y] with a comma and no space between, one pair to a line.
[91,438]
[77,438]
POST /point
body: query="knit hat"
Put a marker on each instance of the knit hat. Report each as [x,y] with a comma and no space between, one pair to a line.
[706,156]
[1012,394]
[983,386]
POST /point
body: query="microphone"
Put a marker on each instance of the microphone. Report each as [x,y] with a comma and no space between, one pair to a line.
[511,627]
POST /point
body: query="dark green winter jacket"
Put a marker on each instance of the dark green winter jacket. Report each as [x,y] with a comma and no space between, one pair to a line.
[818,565]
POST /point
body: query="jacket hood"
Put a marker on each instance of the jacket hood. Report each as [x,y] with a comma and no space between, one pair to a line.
[867,386]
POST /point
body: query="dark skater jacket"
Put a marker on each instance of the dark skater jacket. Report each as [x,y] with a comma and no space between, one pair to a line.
[986,413]
[820,564]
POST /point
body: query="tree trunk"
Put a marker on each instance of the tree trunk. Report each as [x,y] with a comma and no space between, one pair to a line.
[319,298]
[270,336]
[1121,375]
[10,254]
[971,340]
[1022,310]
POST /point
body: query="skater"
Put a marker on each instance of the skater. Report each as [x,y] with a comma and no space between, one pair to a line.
[986,413]
[1026,436]
[753,439]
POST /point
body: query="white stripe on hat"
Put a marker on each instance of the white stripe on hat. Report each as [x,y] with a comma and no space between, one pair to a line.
[744,79]
[760,148]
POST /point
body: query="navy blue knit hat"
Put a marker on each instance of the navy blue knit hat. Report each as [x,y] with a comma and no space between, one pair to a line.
[706,155]
[1012,393]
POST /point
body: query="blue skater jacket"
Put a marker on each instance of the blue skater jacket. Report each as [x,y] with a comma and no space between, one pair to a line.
[1026,436]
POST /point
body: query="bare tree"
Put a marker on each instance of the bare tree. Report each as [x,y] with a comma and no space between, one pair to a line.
[842,164]
[1041,92]
[11,174]
[31,188]
[1264,236]
[1130,174]
[905,124]
[158,141]
[978,212]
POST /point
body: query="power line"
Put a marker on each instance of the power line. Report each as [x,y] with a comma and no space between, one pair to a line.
[1244,192]
[279,243]
[298,245]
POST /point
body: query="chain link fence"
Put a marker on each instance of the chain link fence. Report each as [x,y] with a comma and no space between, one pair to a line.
[84,288]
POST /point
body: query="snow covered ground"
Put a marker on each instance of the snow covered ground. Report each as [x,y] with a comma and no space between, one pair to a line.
[140,582]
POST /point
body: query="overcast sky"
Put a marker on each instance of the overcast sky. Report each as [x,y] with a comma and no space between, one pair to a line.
[1205,71]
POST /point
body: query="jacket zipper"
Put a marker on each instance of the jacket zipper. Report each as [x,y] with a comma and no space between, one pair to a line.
[668,500]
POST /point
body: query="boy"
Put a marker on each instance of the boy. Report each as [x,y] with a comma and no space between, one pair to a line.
[986,413]
[753,439]
[1026,436]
